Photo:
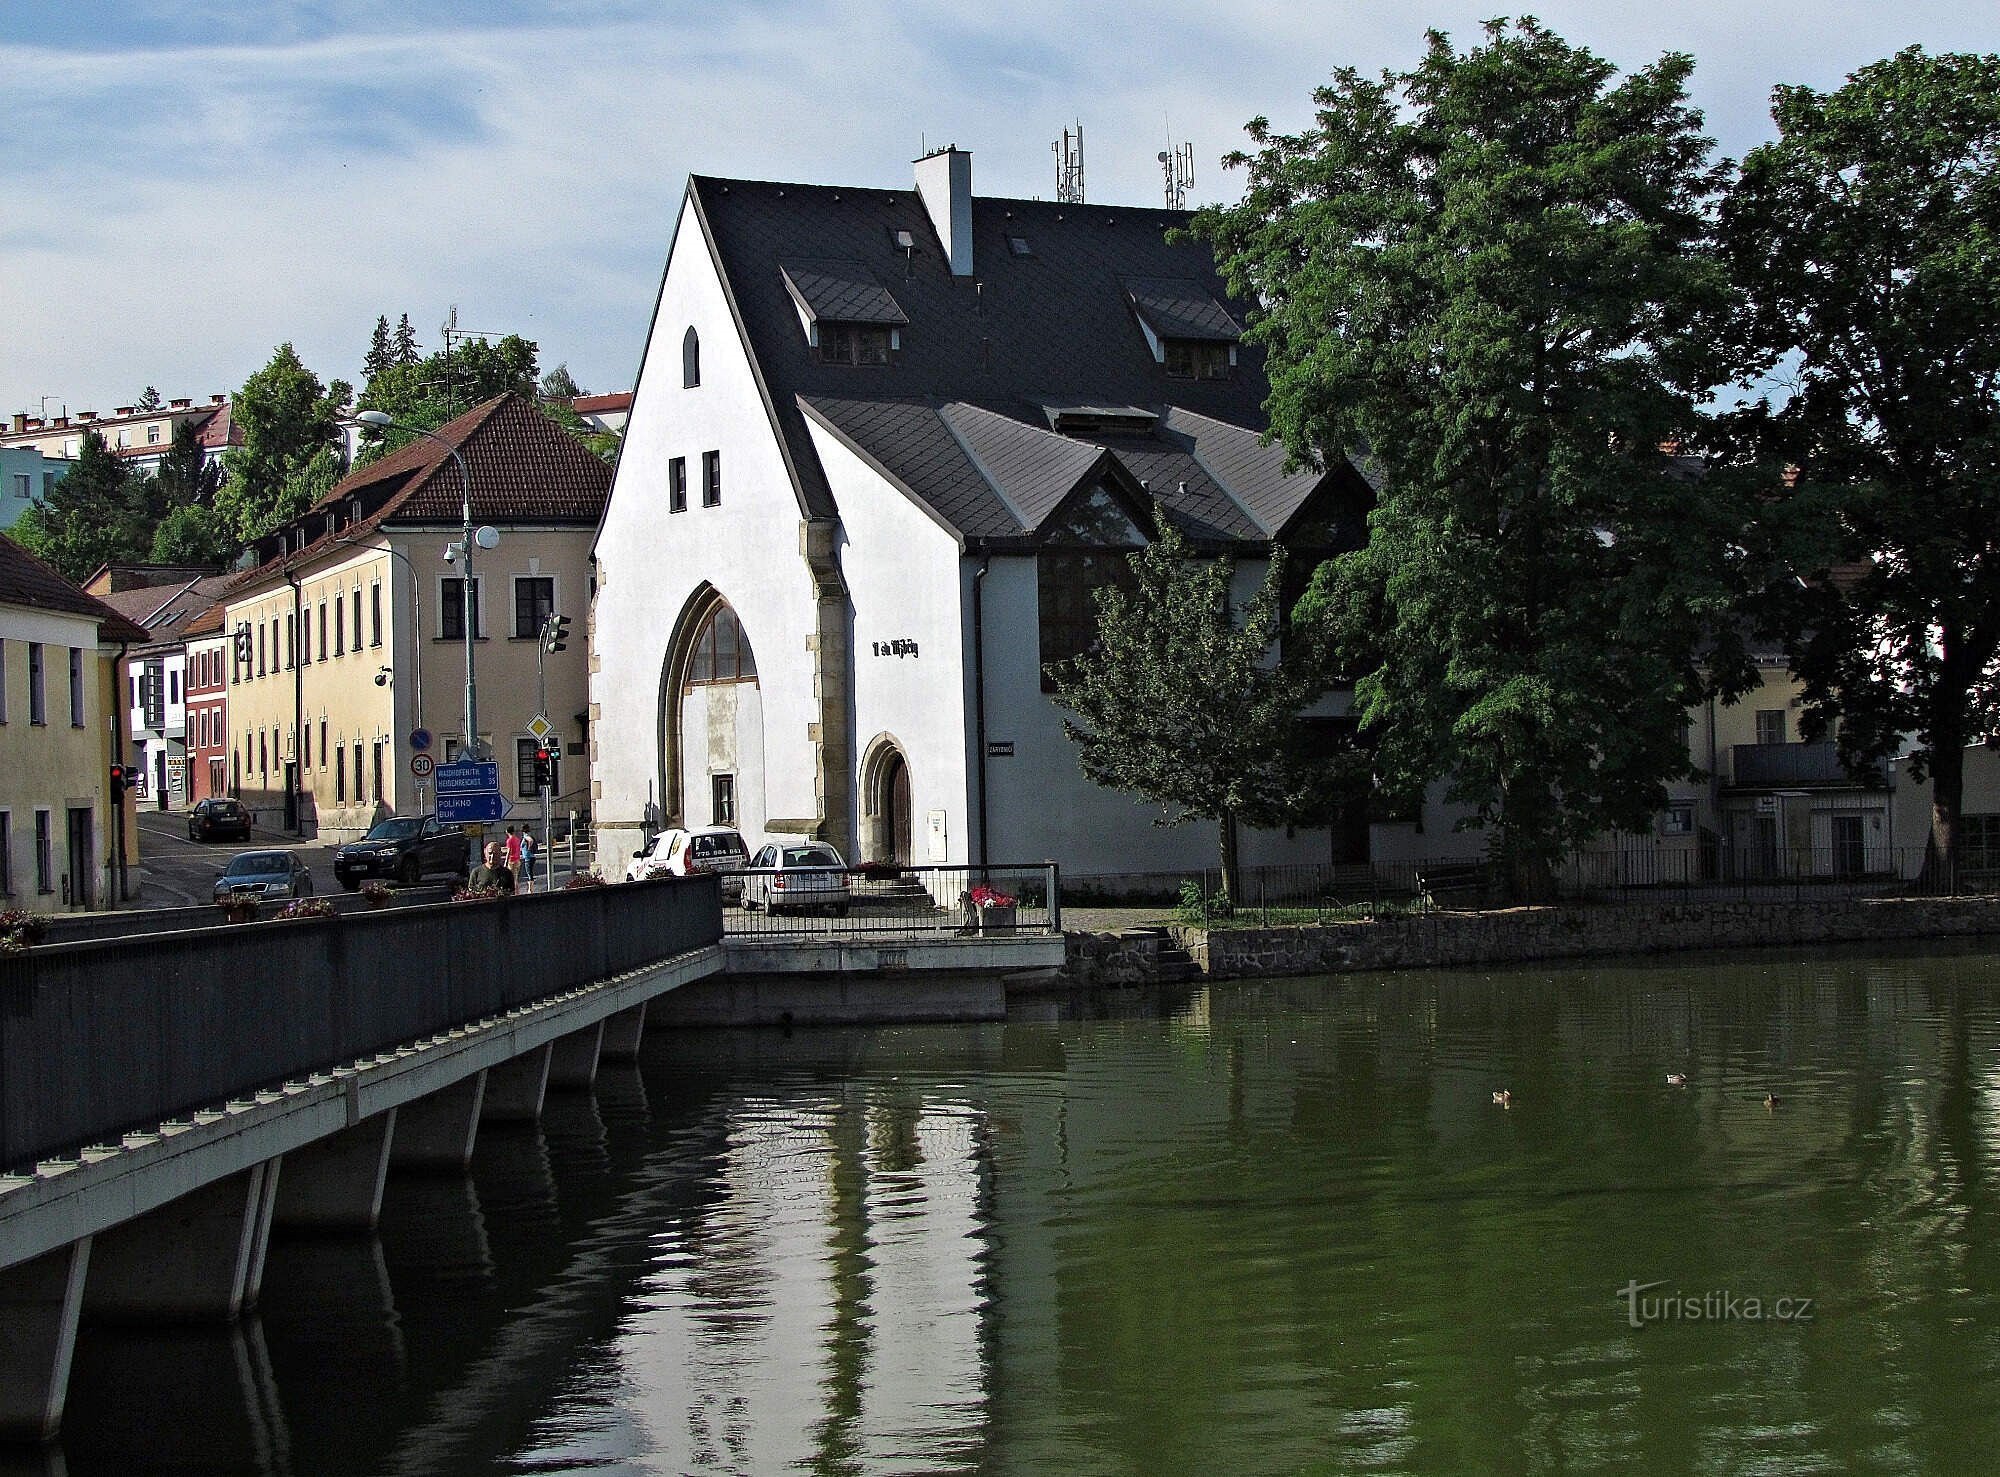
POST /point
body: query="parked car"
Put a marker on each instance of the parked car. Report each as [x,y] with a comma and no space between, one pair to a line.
[264,874]
[684,853]
[801,876]
[218,815]
[405,849]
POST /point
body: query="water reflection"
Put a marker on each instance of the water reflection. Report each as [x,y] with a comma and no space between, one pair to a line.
[1254,1227]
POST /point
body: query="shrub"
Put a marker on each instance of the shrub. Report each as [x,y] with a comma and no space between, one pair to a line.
[583,879]
[1197,909]
[307,907]
[475,894]
[377,893]
[988,897]
[20,930]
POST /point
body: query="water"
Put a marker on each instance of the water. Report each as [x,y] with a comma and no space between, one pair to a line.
[1256,1227]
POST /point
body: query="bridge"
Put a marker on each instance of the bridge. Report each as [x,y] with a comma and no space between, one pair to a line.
[166,1100]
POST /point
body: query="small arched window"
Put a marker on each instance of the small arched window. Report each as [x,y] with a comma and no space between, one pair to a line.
[722,651]
[690,359]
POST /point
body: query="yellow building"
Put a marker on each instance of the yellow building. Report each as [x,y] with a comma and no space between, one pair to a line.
[349,633]
[61,679]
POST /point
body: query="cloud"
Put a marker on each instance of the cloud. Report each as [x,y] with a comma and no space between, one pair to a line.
[206,180]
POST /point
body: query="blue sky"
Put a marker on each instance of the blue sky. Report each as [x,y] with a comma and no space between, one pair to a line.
[187,184]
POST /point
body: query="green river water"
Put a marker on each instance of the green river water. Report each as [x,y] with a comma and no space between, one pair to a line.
[1251,1227]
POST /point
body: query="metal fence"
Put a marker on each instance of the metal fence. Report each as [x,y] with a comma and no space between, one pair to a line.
[828,902]
[1707,871]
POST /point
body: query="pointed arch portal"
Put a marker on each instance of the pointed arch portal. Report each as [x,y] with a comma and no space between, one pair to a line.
[711,728]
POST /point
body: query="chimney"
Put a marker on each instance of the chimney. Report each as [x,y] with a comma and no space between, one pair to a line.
[20,421]
[181,404]
[215,399]
[944,180]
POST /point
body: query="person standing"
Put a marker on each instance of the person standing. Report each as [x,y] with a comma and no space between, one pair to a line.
[494,874]
[514,849]
[528,850]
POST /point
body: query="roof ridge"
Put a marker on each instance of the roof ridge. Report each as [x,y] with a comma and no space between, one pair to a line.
[1221,482]
[979,463]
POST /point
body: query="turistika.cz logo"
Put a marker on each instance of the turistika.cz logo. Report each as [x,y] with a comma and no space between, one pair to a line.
[1643,1305]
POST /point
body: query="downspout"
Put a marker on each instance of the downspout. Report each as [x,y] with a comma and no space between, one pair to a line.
[294,787]
[979,690]
[119,756]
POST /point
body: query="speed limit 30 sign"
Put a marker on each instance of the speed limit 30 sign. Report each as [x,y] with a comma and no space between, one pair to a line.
[421,765]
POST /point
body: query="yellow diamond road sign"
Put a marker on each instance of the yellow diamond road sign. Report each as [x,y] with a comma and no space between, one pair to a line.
[540,727]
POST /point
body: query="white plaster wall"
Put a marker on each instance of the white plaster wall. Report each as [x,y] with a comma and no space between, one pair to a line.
[722,732]
[1039,802]
[649,561]
[904,584]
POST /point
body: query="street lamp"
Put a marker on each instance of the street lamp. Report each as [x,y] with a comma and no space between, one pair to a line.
[485,538]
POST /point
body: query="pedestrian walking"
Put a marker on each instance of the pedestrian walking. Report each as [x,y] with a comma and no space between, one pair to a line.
[514,849]
[528,850]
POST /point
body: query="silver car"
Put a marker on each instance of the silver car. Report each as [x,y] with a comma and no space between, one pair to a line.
[801,877]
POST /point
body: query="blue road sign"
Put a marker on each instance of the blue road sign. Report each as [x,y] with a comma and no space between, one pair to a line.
[420,740]
[466,777]
[482,805]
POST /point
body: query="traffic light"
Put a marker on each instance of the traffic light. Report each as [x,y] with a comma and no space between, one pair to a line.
[243,645]
[555,633]
[545,769]
[119,778]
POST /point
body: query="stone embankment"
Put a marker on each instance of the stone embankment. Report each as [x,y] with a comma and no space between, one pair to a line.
[1517,935]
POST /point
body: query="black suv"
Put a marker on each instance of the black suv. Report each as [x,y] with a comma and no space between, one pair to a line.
[218,815]
[402,848]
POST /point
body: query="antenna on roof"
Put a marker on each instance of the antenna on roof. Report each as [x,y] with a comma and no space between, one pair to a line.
[1177,164]
[450,329]
[1069,166]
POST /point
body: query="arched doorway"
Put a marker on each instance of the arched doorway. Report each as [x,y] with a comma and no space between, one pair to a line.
[711,753]
[886,810]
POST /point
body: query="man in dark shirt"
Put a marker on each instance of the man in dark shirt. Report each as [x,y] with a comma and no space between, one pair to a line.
[495,875]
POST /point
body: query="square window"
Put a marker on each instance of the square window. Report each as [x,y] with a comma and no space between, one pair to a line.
[1770,725]
[1678,819]
[534,603]
[451,615]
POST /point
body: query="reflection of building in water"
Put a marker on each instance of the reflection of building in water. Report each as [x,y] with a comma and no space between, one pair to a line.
[824,1304]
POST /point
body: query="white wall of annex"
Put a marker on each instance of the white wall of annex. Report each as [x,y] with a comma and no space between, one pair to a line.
[903,582]
[1041,805]
[650,561]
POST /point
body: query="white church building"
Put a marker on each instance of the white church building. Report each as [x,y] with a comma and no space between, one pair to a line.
[883,446]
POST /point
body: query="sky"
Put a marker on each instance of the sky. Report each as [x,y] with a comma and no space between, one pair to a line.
[185,184]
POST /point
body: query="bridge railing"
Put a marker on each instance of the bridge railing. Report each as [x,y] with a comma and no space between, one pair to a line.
[994,900]
[111,1036]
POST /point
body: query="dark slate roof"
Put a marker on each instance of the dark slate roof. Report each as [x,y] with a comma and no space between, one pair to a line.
[1054,326]
[164,610]
[523,467]
[26,581]
[840,292]
[1181,307]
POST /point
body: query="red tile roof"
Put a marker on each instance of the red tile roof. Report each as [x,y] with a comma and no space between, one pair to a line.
[208,623]
[522,466]
[25,580]
[589,404]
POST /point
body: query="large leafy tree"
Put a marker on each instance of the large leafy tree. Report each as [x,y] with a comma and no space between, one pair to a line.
[1183,701]
[86,519]
[1484,273]
[291,433]
[1867,240]
[429,391]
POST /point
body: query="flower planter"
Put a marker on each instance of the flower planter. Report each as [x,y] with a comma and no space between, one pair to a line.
[996,917]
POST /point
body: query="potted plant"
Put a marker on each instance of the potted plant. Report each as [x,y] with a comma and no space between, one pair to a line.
[307,907]
[583,879]
[879,871]
[376,894]
[19,930]
[238,906]
[995,909]
[475,894]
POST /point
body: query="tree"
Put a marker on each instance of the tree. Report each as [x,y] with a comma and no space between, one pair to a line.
[1488,273]
[194,533]
[85,519]
[407,350]
[381,351]
[149,399]
[430,391]
[560,384]
[291,432]
[1867,240]
[1182,702]
[187,475]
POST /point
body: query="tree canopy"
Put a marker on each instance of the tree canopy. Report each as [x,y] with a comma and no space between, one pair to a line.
[428,391]
[1490,274]
[1866,240]
[88,518]
[1184,702]
[291,440]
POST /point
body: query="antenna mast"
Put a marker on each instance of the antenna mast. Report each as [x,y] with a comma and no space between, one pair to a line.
[1069,166]
[1177,164]
[450,329]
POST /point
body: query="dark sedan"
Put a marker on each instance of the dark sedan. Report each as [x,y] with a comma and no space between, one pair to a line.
[264,874]
[218,816]
[405,849]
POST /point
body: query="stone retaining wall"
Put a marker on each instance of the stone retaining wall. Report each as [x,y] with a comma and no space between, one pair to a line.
[1131,957]
[1519,934]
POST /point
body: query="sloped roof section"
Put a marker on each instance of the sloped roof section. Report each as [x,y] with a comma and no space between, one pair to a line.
[522,466]
[1032,468]
[26,581]
[1181,307]
[164,610]
[840,292]
[1253,472]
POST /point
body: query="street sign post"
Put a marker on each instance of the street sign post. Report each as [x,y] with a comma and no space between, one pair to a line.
[540,727]
[467,776]
[421,765]
[420,740]
[478,805]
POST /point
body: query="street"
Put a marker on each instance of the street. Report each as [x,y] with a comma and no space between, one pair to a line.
[181,873]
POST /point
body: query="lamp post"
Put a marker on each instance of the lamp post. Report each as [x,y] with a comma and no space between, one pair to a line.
[383,421]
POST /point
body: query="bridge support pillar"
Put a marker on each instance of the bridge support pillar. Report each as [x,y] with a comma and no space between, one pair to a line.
[573,1059]
[437,1132]
[622,1034]
[198,1259]
[337,1182]
[514,1089]
[39,1303]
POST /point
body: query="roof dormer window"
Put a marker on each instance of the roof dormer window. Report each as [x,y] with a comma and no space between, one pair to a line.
[854,343]
[848,316]
[1197,359]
